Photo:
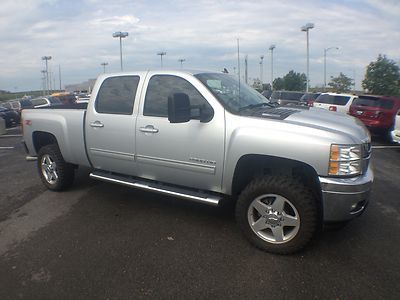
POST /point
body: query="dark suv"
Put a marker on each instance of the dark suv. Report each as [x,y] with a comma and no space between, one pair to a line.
[284,97]
[376,112]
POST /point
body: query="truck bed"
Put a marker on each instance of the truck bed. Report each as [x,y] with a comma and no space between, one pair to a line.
[65,123]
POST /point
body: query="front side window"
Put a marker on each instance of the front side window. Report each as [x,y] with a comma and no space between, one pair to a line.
[39,101]
[117,95]
[163,86]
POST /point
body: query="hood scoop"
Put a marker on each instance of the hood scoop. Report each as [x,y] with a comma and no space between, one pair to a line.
[278,113]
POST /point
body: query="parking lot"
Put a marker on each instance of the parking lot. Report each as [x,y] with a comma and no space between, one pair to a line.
[99,240]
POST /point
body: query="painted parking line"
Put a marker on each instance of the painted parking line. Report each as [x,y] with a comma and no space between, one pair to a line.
[385,147]
[10,135]
[6,148]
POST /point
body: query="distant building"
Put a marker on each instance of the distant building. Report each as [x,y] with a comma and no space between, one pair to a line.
[84,86]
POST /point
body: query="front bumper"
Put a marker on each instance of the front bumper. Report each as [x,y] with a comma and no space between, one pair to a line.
[345,198]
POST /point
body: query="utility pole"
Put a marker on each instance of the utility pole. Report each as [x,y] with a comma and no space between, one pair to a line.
[181,60]
[261,68]
[245,69]
[46,59]
[307,28]
[104,64]
[120,35]
[59,74]
[162,53]
[271,48]
[326,50]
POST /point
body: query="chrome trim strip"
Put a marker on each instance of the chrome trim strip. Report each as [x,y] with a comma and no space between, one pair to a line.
[171,163]
[112,154]
[31,158]
[207,200]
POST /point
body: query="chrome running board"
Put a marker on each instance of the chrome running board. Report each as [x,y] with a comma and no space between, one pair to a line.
[179,192]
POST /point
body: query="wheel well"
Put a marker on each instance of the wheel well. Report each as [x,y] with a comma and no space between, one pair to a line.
[41,139]
[253,165]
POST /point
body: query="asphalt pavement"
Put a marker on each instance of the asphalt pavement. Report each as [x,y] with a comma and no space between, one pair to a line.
[103,241]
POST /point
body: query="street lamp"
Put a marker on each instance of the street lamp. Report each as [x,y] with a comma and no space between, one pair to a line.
[104,64]
[271,48]
[120,35]
[162,53]
[307,28]
[326,50]
[46,59]
[181,60]
[261,68]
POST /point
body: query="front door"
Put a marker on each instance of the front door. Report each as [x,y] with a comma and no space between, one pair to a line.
[189,154]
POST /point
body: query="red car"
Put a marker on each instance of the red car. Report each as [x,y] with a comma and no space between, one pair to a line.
[376,112]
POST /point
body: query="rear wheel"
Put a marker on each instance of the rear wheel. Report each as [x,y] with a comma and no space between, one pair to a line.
[277,214]
[55,173]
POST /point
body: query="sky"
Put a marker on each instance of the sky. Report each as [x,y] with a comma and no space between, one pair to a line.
[78,36]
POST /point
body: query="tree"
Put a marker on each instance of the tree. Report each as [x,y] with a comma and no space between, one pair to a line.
[341,84]
[278,84]
[382,77]
[292,81]
[295,81]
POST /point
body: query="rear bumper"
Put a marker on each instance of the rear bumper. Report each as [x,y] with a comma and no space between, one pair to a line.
[345,198]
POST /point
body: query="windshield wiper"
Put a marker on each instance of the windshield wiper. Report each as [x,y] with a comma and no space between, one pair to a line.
[251,106]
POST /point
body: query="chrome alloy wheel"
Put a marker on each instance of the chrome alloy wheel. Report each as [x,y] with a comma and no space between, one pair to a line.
[49,169]
[273,218]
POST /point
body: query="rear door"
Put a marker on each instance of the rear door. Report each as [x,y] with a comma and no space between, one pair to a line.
[110,125]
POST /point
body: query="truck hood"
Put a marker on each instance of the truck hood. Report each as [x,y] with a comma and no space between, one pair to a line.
[331,121]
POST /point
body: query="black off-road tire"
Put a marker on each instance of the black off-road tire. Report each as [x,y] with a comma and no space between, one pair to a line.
[299,196]
[65,171]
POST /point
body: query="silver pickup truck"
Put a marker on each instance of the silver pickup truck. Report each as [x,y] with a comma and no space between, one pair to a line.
[205,137]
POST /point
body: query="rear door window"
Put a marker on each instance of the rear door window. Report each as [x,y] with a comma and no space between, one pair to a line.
[117,95]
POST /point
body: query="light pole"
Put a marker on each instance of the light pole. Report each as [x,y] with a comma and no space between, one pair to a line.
[261,68]
[46,59]
[120,35]
[104,64]
[326,50]
[162,53]
[307,28]
[44,82]
[271,48]
[181,60]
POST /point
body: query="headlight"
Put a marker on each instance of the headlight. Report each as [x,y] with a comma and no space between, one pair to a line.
[345,160]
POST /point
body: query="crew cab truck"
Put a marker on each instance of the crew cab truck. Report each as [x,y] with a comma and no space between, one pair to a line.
[204,137]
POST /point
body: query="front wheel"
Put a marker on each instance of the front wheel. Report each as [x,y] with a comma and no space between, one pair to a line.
[277,214]
[55,173]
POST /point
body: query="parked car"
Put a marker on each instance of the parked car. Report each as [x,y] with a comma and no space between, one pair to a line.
[65,98]
[335,102]
[83,98]
[309,98]
[45,101]
[376,112]
[20,104]
[285,97]
[189,135]
[395,133]
[10,116]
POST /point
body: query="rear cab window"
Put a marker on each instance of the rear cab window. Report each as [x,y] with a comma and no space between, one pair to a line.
[117,95]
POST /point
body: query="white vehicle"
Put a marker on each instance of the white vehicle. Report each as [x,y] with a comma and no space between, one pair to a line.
[335,102]
[45,102]
[396,129]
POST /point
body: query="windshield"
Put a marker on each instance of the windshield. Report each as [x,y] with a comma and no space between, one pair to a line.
[226,89]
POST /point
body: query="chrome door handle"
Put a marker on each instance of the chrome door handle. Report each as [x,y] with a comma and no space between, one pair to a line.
[148,129]
[97,124]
